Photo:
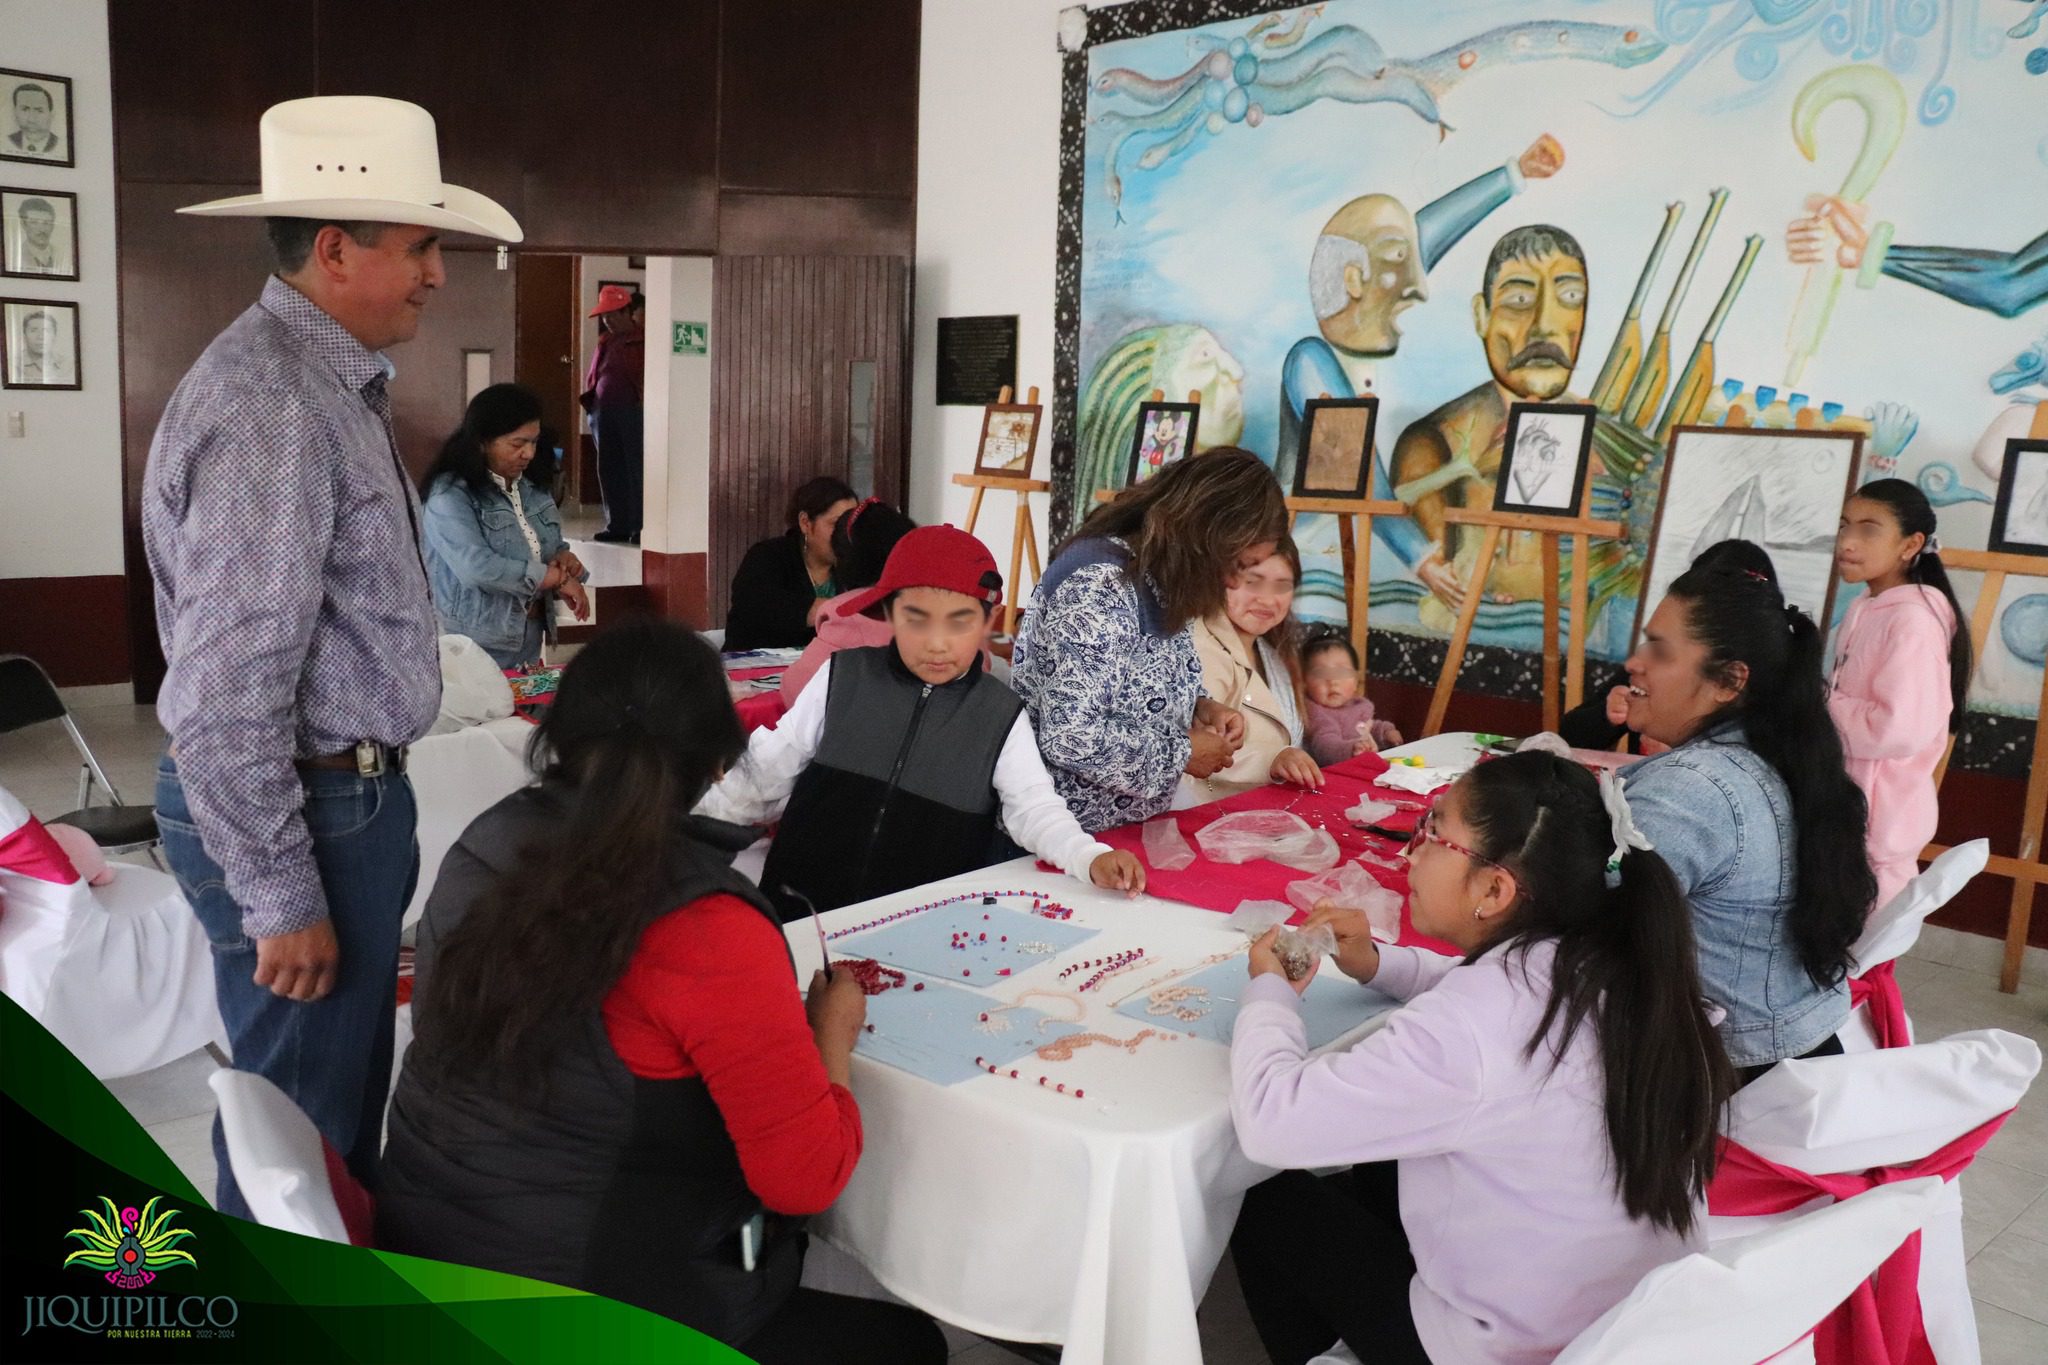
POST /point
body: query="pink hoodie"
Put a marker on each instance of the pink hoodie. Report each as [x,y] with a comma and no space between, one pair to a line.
[1890,699]
[835,632]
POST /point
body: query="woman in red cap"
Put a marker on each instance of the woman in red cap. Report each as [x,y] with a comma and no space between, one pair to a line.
[612,397]
[903,764]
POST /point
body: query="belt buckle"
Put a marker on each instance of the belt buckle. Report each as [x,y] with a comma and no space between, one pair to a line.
[369,759]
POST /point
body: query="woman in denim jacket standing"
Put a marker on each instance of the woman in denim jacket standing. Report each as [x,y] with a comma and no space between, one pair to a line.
[494,548]
[1753,808]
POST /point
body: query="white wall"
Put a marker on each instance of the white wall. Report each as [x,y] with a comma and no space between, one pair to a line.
[60,483]
[677,516]
[987,196]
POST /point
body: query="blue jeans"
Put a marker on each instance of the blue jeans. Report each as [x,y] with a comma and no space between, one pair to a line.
[333,1055]
[620,432]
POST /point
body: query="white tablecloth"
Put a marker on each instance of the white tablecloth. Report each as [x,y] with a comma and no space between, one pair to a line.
[1452,749]
[1028,1215]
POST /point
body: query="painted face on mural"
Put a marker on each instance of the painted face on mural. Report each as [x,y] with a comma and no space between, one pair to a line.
[1531,321]
[1366,269]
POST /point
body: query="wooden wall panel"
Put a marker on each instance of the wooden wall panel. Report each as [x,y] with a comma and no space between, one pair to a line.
[191,78]
[786,330]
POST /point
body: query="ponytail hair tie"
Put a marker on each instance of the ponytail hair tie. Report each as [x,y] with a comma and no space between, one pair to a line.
[1759,577]
[1621,823]
[1932,547]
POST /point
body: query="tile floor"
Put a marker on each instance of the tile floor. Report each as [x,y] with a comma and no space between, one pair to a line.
[1949,981]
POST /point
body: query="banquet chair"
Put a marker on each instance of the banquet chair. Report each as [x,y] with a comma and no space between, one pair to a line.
[28,697]
[278,1157]
[1891,932]
[1753,1300]
[1893,1108]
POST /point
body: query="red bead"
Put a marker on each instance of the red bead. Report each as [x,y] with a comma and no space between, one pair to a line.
[1062,1088]
[1078,1094]
[1041,1081]
[918,987]
[1003,971]
[1013,1075]
[967,973]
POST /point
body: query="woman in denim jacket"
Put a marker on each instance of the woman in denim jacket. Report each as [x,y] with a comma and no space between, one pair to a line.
[494,548]
[1753,808]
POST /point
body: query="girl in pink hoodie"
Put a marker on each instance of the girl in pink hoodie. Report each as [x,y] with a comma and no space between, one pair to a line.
[1902,667]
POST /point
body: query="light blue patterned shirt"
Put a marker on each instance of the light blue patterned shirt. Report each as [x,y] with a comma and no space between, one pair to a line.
[290,593]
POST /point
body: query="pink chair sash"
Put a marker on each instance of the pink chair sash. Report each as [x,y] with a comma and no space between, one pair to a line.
[1879,1324]
[1878,989]
[31,852]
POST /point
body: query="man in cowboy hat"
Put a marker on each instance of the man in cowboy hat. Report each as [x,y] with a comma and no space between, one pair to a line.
[292,600]
[612,396]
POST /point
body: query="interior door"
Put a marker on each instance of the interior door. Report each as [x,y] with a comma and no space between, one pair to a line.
[544,349]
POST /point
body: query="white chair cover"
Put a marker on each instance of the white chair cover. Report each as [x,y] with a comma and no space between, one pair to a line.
[473,688]
[121,974]
[1894,928]
[274,1151]
[1887,1108]
[456,778]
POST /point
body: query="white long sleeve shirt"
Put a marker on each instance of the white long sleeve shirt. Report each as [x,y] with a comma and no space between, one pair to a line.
[758,787]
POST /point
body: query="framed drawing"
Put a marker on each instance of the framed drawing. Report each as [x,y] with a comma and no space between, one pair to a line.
[35,118]
[1543,459]
[1335,460]
[38,234]
[1782,489]
[38,344]
[2019,520]
[1009,438]
[1165,434]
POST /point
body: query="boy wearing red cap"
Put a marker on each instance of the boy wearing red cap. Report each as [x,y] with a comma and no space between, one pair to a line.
[902,764]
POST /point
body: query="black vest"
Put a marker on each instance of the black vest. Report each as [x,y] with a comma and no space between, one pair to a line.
[902,789]
[602,1181]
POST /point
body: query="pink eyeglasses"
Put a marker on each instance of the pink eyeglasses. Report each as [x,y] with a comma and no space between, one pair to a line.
[1425,832]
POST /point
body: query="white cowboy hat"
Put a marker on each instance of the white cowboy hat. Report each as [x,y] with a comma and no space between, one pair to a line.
[359,158]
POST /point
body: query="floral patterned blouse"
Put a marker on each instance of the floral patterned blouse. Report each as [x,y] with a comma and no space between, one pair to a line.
[1109,695]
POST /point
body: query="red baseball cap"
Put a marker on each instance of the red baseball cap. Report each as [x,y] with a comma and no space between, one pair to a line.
[611,299]
[934,557]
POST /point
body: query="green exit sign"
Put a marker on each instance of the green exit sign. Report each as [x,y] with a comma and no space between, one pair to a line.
[691,338]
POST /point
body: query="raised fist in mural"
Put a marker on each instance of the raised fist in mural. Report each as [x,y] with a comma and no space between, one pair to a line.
[1543,159]
[1830,225]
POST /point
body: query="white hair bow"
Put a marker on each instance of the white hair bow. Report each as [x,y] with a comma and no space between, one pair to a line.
[1614,796]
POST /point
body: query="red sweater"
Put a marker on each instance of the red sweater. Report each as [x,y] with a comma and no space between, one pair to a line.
[708,993]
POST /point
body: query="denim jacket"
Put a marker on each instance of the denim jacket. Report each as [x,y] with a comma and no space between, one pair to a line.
[1719,814]
[482,570]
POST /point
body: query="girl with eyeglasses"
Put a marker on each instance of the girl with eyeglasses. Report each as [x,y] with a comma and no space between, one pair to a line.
[1537,1121]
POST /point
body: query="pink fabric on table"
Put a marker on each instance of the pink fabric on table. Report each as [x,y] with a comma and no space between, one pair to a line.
[1879,1324]
[749,674]
[1221,886]
[760,711]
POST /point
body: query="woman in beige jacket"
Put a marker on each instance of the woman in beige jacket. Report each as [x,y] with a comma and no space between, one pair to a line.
[1247,654]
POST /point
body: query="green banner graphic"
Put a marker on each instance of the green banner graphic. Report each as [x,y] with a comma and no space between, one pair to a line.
[111,1255]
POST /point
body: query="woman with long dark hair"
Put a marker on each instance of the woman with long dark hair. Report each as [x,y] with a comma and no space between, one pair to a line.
[1106,660]
[784,583]
[491,534]
[1539,1117]
[614,1084]
[1902,670]
[1752,807]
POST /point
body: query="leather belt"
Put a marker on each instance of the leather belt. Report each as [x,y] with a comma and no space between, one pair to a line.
[367,759]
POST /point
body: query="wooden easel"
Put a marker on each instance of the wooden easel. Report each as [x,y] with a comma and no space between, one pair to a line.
[1023,539]
[1581,529]
[1354,539]
[1156,396]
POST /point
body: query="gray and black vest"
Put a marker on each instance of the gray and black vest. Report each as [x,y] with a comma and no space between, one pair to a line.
[902,789]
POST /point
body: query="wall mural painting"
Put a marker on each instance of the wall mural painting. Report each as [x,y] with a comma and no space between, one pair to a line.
[1821,215]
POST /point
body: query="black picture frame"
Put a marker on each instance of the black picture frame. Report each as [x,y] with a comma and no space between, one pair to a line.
[9,359]
[64,121]
[2033,454]
[1149,415]
[10,199]
[1540,498]
[1305,485]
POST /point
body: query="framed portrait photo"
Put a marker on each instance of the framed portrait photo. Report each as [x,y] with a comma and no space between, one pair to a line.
[1335,460]
[2019,520]
[38,344]
[1009,438]
[1165,435]
[35,118]
[38,234]
[1543,459]
[1781,489]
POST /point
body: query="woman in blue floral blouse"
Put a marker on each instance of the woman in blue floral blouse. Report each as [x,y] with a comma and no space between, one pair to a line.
[1106,660]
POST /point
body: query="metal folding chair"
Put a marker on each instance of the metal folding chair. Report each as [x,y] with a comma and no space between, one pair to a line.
[28,697]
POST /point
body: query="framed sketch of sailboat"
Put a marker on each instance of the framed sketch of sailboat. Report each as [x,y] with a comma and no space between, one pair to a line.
[1781,489]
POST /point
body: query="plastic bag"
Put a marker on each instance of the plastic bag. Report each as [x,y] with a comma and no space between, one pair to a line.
[1545,743]
[1272,834]
[1352,887]
[1252,918]
[473,689]
[1300,949]
[1166,848]
[1370,812]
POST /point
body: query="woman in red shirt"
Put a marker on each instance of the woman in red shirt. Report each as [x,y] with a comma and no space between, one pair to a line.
[614,1084]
